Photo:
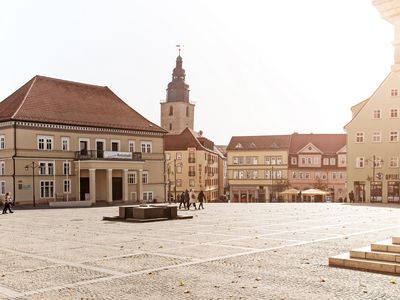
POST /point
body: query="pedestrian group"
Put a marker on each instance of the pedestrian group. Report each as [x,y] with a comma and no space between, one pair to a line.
[188,198]
[8,202]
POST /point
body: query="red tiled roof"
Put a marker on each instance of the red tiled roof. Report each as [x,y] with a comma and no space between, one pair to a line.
[51,100]
[327,143]
[184,140]
[265,142]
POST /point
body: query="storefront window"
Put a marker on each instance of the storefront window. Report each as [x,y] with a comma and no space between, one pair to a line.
[376,191]
[393,191]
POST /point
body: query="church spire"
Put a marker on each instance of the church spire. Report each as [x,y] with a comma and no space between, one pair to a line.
[178,90]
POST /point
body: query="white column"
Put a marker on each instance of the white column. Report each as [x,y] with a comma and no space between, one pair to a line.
[139,186]
[78,183]
[125,194]
[109,186]
[92,185]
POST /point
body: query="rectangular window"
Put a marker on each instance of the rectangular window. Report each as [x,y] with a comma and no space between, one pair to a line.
[2,187]
[360,162]
[394,113]
[2,142]
[191,182]
[131,146]
[332,161]
[317,175]
[360,137]
[178,155]
[148,196]
[131,177]
[307,175]
[394,136]
[294,160]
[301,175]
[192,171]
[46,168]
[192,157]
[133,197]
[115,145]
[145,177]
[326,161]
[378,161]
[377,114]
[45,142]
[67,186]
[66,168]
[394,162]
[179,182]
[2,167]
[376,137]
[394,92]
[65,143]
[294,175]
[146,147]
[179,169]
[46,189]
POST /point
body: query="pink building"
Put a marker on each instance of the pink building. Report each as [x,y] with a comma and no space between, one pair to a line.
[318,161]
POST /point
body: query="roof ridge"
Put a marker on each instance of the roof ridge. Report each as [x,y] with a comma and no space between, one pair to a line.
[71,81]
[23,100]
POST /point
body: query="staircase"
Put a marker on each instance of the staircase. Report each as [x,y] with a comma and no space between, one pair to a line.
[382,257]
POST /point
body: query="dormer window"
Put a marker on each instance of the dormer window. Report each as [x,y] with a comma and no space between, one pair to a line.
[253,146]
[239,146]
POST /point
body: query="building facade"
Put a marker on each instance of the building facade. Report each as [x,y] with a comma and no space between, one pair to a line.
[318,161]
[257,167]
[63,140]
[373,133]
[177,111]
[192,163]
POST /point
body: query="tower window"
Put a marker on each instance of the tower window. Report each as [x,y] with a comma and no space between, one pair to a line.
[170,126]
[187,111]
[171,111]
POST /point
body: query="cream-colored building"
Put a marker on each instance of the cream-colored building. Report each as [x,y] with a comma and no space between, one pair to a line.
[68,141]
[257,166]
[373,133]
[192,163]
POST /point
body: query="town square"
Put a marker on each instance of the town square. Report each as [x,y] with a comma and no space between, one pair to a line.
[200,150]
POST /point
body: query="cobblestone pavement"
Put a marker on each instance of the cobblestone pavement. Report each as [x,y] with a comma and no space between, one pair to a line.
[227,251]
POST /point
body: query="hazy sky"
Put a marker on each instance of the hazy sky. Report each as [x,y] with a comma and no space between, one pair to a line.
[254,67]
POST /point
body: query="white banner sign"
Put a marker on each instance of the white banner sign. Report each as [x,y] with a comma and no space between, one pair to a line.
[117,155]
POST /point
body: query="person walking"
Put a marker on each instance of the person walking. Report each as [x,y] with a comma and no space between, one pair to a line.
[7,203]
[182,200]
[192,199]
[201,197]
[187,199]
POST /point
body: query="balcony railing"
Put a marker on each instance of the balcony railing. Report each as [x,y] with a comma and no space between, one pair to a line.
[107,155]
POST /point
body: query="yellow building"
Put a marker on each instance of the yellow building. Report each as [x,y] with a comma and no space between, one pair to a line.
[373,141]
[257,167]
[63,140]
[192,163]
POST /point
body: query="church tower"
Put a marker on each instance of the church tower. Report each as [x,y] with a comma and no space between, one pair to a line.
[177,112]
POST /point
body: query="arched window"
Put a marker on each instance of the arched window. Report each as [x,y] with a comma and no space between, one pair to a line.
[187,111]
[171,111]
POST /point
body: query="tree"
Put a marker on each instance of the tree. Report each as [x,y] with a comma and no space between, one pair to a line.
[320,184]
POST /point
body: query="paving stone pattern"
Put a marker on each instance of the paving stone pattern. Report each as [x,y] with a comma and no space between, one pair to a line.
[227,251]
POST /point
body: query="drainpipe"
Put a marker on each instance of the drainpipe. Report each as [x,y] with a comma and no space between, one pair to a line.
[13,158]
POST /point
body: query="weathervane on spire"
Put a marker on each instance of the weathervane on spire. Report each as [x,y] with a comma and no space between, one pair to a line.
[179,48]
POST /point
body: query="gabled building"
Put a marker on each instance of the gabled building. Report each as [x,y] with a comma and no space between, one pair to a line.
[257,166]
[318,161]
[373,134]
[192,163]
[64,140]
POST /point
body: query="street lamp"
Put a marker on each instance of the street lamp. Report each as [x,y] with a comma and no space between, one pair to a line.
[379,176]
[33,166]
[169,181]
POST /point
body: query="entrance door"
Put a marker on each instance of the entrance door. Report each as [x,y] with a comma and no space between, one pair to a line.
[117,188]
[100,149]
[85,187]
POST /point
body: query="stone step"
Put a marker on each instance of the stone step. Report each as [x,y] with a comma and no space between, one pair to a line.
[396,240]
[368,253]
[345,261]
[385,246]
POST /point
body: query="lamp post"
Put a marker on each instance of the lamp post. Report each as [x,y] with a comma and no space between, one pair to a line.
[169,181]
[372,180]
[33,166]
